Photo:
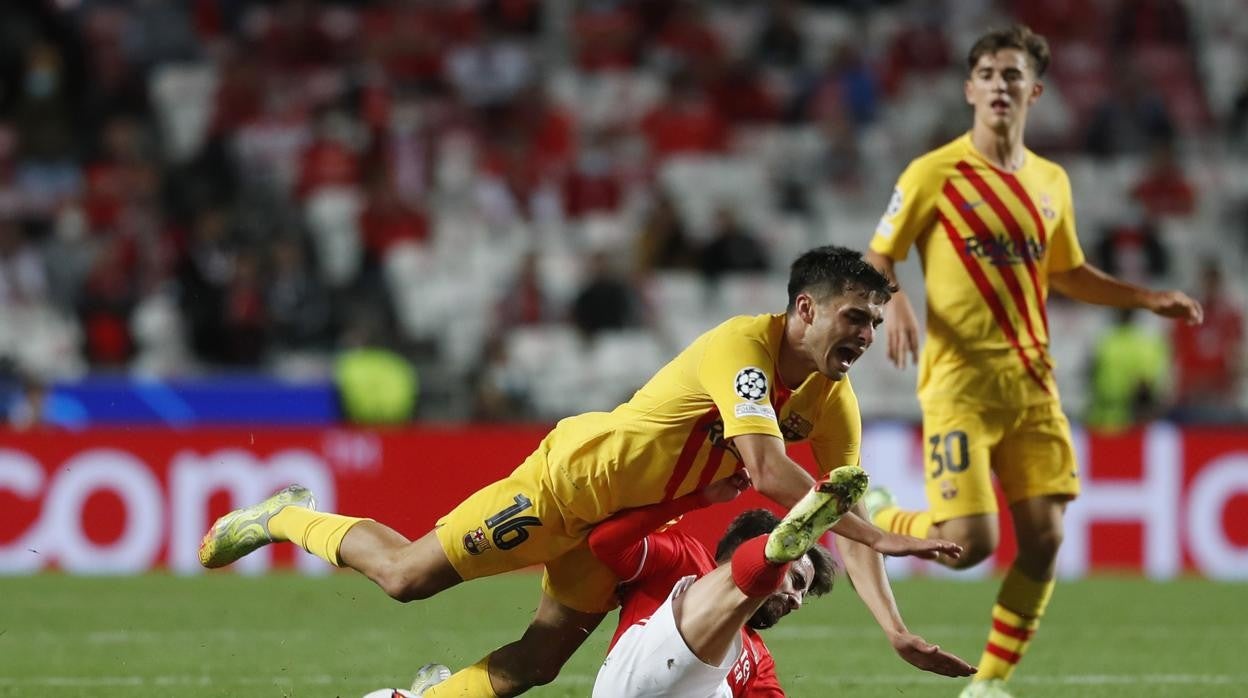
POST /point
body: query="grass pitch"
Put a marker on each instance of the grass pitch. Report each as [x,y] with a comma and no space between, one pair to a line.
[282,635]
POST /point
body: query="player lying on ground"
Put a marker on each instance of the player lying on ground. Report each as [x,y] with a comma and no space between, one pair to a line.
[688,621]
[994,224]
[732,398]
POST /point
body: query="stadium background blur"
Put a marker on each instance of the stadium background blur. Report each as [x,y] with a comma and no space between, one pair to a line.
[535,204]
[230,230]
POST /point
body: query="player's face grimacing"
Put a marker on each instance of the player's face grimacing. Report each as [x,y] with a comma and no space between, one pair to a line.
[842,328]
[1001,88]
[787,598]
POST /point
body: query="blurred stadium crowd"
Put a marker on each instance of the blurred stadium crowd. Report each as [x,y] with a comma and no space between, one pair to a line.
[537,203]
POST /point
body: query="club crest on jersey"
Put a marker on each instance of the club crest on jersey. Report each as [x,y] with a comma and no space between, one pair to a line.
[795,427]
[1046,207]
[948,490]
[476,542]
[751,384]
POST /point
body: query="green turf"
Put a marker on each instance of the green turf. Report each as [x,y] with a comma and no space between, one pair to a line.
[227,635]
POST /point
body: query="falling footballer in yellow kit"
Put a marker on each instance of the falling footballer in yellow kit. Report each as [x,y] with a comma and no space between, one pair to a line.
[677,434]
[994,225]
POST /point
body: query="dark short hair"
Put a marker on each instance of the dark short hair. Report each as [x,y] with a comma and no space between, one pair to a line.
[830,270]
[1018,37]
[753,523]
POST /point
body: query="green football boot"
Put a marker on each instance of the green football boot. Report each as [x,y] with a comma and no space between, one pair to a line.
[429,675]
[815,513]
[243,530]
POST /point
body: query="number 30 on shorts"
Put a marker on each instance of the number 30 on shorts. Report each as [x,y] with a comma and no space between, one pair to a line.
[510,529]
[950,454]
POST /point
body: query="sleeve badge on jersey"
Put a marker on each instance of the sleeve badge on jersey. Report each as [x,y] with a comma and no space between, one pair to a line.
[894,203]
[475,542]
[751,384]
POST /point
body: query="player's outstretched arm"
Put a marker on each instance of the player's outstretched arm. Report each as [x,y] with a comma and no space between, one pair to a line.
[901,325]
[1091,285]
[865,568]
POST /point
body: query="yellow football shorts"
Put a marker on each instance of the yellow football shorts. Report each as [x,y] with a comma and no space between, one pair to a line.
[1028,449]
[517,522]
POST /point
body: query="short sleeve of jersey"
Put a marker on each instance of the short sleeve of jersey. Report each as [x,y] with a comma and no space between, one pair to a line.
[837,438]
[1064,250]
[910,212]
[737,371]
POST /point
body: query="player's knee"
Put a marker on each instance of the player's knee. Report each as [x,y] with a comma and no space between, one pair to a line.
[403,586]
[1042,546]
[978,543]
[974,551]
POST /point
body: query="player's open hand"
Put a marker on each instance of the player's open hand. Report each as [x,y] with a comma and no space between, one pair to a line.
[902,330]
[897,545]
[929,657]
[1177,305]
[727,489]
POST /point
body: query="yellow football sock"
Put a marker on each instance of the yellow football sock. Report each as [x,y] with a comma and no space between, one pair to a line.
[318,533]
[470,682]
[898,520]
[1015,617]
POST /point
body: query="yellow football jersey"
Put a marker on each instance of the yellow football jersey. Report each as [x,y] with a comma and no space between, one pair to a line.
[988,240]
[671,438]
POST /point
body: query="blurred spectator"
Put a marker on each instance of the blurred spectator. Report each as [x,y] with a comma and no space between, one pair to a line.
[121,174]
[1128,374]
[594,182]
[919,50]
[491,70]
[297,306]
[108,296]
[846,90]
[23,277]
[203,276]
[408,40]
[687,122]
[732,249]
[663,242]
[780,42]
[332,159]
[741,97]
[244,318]
[1164,189]
[524,302]
[606,36]
[387,220]
[1133,250]
[606,301]
[686,42]
[1209,357]
[1150,22]
[1130,120]
[500,391]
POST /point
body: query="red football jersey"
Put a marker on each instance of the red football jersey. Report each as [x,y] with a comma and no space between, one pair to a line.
[666,557]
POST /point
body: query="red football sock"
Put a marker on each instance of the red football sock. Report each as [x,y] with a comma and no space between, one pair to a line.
[751,572]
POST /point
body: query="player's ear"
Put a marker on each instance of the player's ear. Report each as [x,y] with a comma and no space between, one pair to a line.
[968,89]
[1037,89]
[805,307]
